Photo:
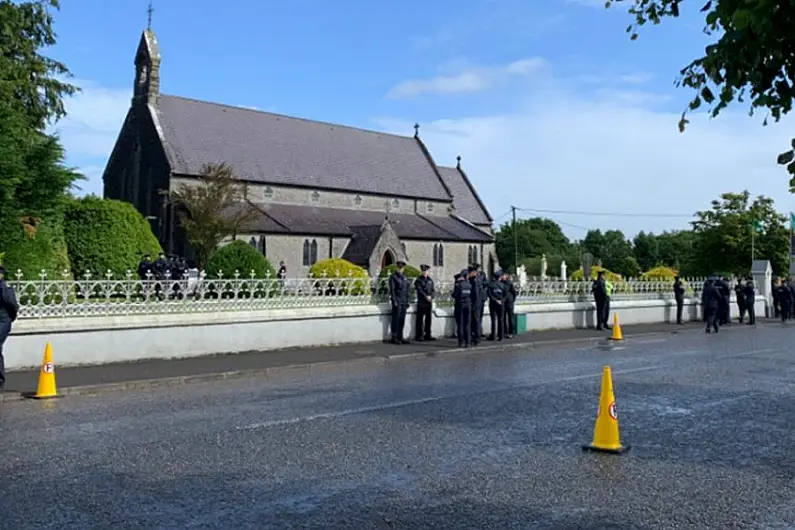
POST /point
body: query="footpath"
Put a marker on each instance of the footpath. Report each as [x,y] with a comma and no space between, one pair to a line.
[157,372]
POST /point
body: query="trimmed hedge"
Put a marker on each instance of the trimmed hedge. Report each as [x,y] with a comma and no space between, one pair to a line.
[106,234]
[408,272]
[660,273]
[238,256]
[32,245]
[334,268]
[595,269]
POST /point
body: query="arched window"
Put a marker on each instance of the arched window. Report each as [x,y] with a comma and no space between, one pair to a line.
[313,252]
[435,254]
[305,261]
[441,256]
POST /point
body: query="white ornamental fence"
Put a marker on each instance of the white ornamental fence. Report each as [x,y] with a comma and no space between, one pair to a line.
[48,297]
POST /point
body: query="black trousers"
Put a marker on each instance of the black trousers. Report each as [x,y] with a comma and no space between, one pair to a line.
[463,325]
[398,321]
[741,308]
[784,310]
[5,331]
[497,320]
[602,312]
[422,323]
[751,314]
[509,324]
[680,304]
[711,316]
[477,320]
[723,310]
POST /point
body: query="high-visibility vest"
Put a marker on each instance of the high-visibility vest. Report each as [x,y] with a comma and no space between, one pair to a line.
[608,288]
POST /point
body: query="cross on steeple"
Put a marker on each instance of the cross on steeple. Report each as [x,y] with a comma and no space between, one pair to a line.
[149,12]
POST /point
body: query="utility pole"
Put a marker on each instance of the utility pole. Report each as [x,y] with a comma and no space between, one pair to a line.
[515,241]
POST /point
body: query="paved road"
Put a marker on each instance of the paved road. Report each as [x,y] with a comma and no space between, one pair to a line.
[481,441]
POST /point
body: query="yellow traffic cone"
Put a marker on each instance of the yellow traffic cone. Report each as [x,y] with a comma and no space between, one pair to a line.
[617,335]
[605,435]
[46,388]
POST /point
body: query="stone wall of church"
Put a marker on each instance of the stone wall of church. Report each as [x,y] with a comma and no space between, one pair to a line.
[333,199]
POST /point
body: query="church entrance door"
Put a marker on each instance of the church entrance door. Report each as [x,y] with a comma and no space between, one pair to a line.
[387,259]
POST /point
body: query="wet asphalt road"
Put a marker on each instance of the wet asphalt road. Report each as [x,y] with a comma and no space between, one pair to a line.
[485,441]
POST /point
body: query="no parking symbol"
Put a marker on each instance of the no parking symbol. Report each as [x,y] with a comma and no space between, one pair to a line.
[612,411]
[48,368]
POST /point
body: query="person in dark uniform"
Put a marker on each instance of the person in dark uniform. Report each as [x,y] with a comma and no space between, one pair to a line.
[792,298]
[399,300]
[776,305]
[483,297]
[679,296]
[725,301]
[750,302]
[145,268]
[784,295]
[425,294]
[282,274]
[496,293]
[739,296]
[477,300]
[463,297]
[510,299]
[599,290]
[711,300]
[9,307]
[161,267]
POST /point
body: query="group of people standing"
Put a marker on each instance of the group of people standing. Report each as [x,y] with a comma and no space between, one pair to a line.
[471,293]
[173,267]
[784,298]
[716,301]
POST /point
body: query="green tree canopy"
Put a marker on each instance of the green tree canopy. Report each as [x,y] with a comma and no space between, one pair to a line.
[534,237]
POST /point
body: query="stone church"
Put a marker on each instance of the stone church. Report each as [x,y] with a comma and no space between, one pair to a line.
[318,190]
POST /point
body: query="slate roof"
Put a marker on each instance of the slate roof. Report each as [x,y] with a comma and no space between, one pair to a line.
[362,244]
[274,149]
[287,218]
[466,200]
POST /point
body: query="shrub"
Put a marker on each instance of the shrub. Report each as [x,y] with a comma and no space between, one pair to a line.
[106,234]
[334,268]
[238,256]
[409,271]
[32,245]
[595,269]
[661,273]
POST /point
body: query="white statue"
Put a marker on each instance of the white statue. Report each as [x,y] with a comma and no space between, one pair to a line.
[563,270]
[543,266]
[521,273]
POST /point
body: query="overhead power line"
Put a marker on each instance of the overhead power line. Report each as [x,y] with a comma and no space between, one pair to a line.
[608,214]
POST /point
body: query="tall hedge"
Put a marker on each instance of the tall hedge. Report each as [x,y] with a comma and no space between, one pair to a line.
[106,234]
[32,245]
[238,256]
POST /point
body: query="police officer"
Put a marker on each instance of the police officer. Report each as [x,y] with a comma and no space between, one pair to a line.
[599,290]
[425,294]
[496,293]
[399,300]
[8,314]
[750,302]
[776,304]
[725,300]
[483,297]
[784,296]
[463,297]
[711,300]
[792,303]
[739,295]
[679,296]
[145,268]
[477,301]
[510,299]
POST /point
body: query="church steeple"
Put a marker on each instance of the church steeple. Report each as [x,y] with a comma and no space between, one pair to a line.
[147,69]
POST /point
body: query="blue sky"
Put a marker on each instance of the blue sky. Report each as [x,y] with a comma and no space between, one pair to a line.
[550,104]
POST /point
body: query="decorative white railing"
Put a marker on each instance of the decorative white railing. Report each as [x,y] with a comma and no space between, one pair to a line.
[66,297]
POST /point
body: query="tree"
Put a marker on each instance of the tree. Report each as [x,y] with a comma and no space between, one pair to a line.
[213,209]
[750,60]
[611,248]
[534,237]
[724,235]
[646,250]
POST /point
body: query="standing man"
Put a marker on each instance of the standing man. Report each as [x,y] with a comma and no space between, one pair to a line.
[750,302]
[282,274]
[510,300]
[711,300]
[739,294]
[599,290]
[483,296]
[145,268]
[477,301]
[679,296]
[399,300]
[425,294]
[725,300]
[8,314]
[462,295]
[496,292]
[784,296]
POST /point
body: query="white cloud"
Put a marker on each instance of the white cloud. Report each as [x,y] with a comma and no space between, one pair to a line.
[609,153]
[89,130]
[470,80]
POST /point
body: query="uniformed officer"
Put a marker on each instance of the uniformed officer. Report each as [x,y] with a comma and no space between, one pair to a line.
[9,307]
[739,295]
[784,296]
[145,268]
[425,295]
[711,300]
[463,295]
[399,300]
[679,296]
[476,324]
[496,293]
[510,298]
[750,302]
[599,290]
[725,300]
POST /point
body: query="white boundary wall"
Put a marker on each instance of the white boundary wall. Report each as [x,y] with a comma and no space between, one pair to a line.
[100,340]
